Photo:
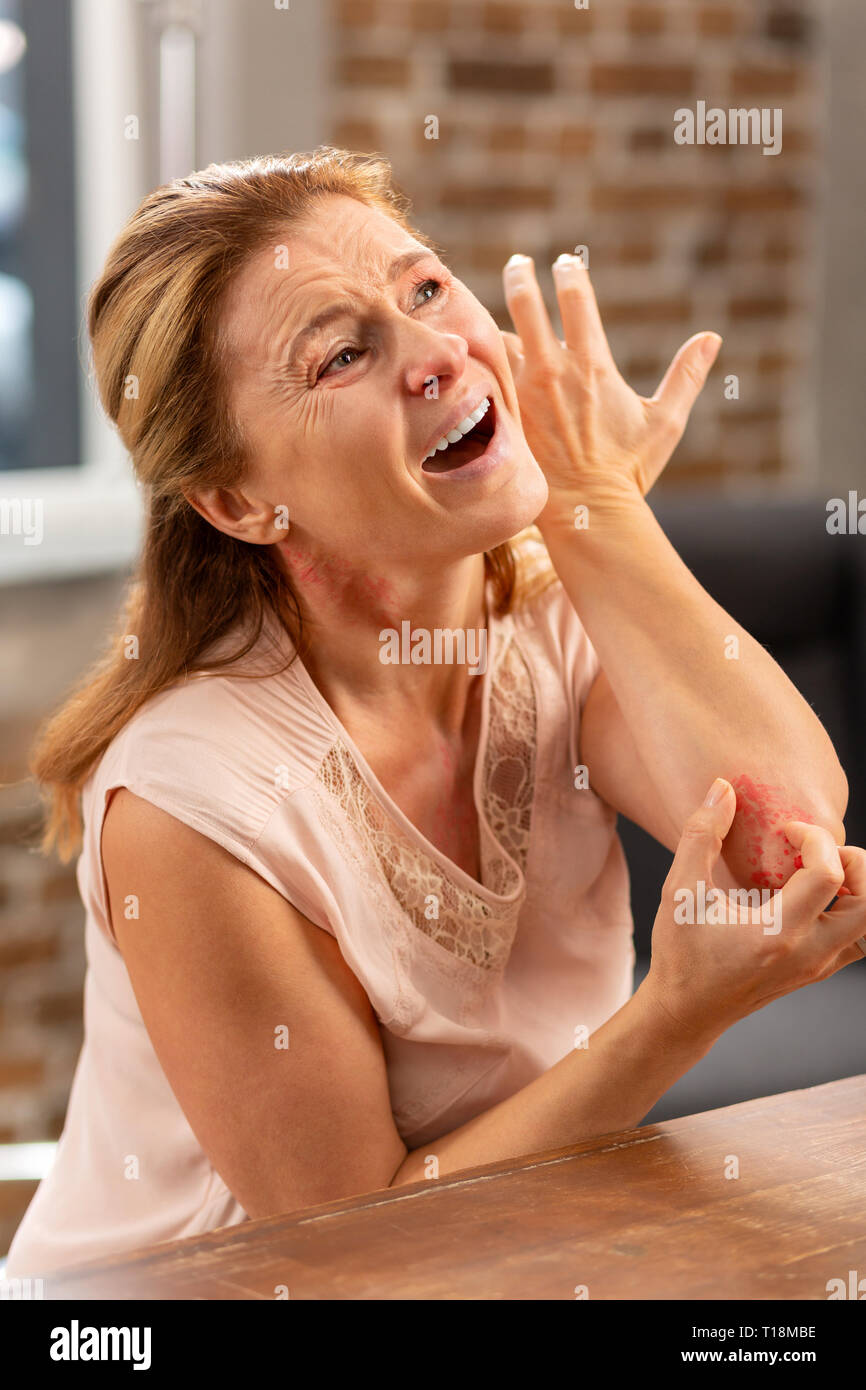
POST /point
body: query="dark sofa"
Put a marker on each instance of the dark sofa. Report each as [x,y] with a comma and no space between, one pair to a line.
[802,593]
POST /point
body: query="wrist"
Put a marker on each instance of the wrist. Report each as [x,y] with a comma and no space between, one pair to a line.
[592,511]
[672,1028]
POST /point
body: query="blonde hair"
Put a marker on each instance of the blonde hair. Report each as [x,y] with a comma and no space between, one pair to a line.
[153,319]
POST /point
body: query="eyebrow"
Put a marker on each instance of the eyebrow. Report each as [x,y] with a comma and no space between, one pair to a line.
[344,307]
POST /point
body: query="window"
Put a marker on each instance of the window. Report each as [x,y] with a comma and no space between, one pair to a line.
[38,371]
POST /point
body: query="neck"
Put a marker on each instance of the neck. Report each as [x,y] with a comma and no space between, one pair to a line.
[346,608]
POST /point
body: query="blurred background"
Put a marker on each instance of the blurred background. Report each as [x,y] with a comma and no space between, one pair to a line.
[514,125]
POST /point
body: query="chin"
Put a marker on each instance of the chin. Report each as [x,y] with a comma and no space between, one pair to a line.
[516,505]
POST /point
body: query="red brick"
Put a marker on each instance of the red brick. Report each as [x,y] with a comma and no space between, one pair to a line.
[15,1197]
[685,468]
[351,134]
[642,79]
[478,197]
[769,363]
[22,829]
[738,415]
[501,18]
[379,70]
[759,306]
[789,25]
[771,465]
[58,884]
[484,75]
[20,1071]
[761,197]
[781,252]
[355,13]
[716,21]
[650,139]
[60,1008]
[636,198]
[646,19]
[712,253]
[426,17]
[509,138]
[672,309]
[26,950]
[575,140]
[483,255]
[635,252]
[570,22]
[651,367]
[772,80]
[798,141]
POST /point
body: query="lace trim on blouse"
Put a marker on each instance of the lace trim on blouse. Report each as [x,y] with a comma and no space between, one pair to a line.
[446,911]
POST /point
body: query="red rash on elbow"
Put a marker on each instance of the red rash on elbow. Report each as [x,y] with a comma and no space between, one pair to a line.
[766,849]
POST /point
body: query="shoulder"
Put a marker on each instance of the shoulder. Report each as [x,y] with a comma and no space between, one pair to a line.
[220,751]
[546,619]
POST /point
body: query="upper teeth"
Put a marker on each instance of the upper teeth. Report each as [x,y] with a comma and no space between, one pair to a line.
[466,424]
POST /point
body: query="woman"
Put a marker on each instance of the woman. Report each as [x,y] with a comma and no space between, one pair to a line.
[353,912]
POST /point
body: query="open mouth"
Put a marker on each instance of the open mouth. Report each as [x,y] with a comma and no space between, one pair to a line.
[470,445]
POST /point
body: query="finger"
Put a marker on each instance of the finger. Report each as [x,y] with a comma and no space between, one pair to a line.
[578,309]
[684,379]
[850,956]
[514,351]
[818,875]
[854,863]
[701,841]
[844,929]
[527,309]
[847,916]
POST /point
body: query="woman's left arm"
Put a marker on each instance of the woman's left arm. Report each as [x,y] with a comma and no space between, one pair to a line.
[677,702]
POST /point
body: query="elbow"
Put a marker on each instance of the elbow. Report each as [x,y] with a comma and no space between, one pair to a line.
[756,849]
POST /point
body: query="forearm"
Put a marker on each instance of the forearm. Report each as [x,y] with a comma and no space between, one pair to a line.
[700,696]
[609,1085]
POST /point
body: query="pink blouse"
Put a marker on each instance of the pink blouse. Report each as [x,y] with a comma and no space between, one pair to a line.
[478,986]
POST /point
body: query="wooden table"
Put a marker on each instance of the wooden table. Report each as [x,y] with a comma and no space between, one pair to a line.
[643,1214]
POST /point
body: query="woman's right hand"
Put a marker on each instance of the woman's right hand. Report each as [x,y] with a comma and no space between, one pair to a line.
[708,975]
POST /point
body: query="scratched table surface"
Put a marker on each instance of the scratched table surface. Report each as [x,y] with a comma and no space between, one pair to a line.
[762,1200]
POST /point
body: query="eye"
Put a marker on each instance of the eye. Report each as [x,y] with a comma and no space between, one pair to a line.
[430,288]
[343,353]
[435,285]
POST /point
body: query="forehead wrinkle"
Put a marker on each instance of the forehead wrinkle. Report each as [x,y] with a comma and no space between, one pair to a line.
[367,283]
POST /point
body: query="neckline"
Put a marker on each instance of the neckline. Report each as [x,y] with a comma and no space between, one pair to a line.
[495,624]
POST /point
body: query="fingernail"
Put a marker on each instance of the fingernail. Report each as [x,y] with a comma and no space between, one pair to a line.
[568,264]
[710,347]
[517,259]
[716,792]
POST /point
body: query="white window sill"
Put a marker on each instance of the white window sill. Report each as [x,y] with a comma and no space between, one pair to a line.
[90,522]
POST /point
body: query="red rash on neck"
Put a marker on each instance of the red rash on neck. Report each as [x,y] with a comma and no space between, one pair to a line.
[335,577]
[756,832]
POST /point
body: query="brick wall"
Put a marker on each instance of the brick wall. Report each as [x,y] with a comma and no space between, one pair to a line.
[49,633]
[556,130]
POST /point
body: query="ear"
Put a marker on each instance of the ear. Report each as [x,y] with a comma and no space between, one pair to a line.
[235,514]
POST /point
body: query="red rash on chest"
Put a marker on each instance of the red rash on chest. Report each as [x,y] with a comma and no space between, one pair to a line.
[761,810]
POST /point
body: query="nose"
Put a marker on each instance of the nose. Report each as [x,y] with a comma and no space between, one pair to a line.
[430,353]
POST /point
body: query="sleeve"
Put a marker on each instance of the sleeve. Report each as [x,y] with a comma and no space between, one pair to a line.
[203,784]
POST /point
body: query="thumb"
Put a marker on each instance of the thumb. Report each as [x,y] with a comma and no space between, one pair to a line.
[684,379]
[701,840]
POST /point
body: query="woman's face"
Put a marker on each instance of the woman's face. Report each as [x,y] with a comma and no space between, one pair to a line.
[354,351]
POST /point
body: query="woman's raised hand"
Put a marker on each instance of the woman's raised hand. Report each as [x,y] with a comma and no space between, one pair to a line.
[715,959]
[592,435]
